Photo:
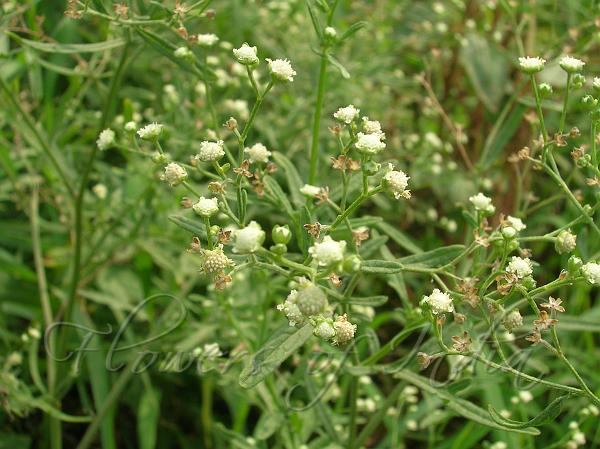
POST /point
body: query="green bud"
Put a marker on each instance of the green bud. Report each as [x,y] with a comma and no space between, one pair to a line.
[545,89]
[161,158]
[351,264]
[589,103]
[565,242]
[574,265]
[214,230]
[225,167]
[528,282]
[509,232]
[512,245]
[577,81]
[281,234]
[584,161]
[371,168]
[280,249]
[595,114]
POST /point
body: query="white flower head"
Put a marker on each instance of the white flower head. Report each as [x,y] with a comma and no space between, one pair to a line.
[215,261]
[206,207]
[292,312]
[212,350]
[512,320]
[531,65]
[151,131]
[371,126]
[100,191]
[369,143]
[396,181]
[130,126]
[347,114]
[328,251]
[309,298]
[324,329]
[106,139]
[439,302]
[281,70]
[344,330]
[596,83]
[258,153]
[482,203]
[591,272]
[183,53]
[519,266]
[516,223]
[571,65]
[310,190]
[174,174]
[207,40]
[210,151]
[330,32]
[249,239]
[246,54]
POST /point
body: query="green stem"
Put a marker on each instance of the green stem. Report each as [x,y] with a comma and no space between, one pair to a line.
[357,202]
[538,105]
[314,148]
[563,114]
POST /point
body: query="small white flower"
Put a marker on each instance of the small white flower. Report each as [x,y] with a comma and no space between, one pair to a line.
[530,64]
[215,261]
[106,139]
[571,65]
[346,115]
[369,143]
[330,32]
[281,69]
[210,151]
[596,83]
[328,251]
[591,272]
[516,223]
[310,190]
[578,438]
[100,191]
[512,320]
[183,53]
[246,54]
[174,174]
[440,302]
[525,396]
[396,181]
[258,153]
[34,333]
[212,350]
[248,239]
[521,267]
[371,126]
[207,40]
[482,203]
[130,127]
[292,312]
[344,330]
[324,329]
[152,131]
[206,207]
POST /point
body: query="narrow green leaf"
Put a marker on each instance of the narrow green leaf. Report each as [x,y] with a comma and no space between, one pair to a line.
[547,415]
[372,301]
[461,406]
[53,47]
[434,258]
[278,348]
[292,176]
[147,419]
[338,65]
[399,237]
[193,226]
[314,19]
[353,29]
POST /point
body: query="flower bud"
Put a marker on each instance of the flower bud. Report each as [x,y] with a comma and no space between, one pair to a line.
[512,320]
[589,103]
[577,81]
[161,158]
[344,330]
[248,239]
[246,55]
[106,139]
[280,249]
[206,207]
[281,234]
[528,282]
[352,264]
[174,174]
[545,89]
[323,328]
[565,242]
[574,265]
[371,168]
[509,232]
[591,272]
